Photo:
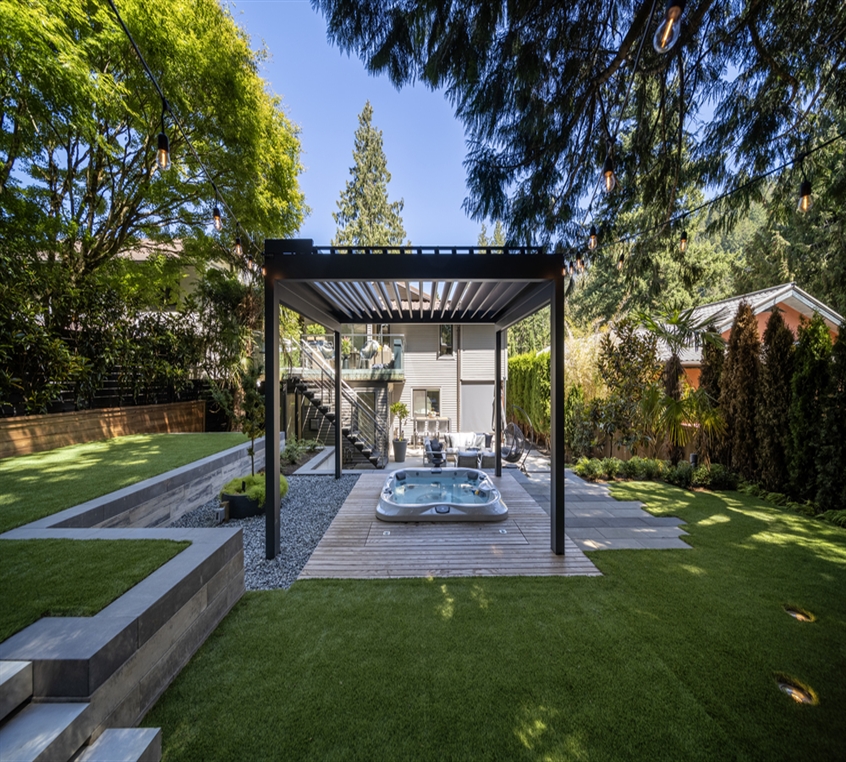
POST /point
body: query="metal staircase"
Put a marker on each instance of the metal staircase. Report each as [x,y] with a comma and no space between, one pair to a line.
[314,379]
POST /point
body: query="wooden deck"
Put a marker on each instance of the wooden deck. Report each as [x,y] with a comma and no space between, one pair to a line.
[358,545]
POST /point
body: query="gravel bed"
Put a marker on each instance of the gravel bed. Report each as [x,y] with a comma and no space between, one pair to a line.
[306,513]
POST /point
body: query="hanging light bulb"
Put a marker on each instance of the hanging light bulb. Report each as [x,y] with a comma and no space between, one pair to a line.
[163,152]
[572,269]
[580,265]
[239,252]
[805,200]
[592,241]
[683,242]
[218,222]
[668,32]
[620,262]
[608,176]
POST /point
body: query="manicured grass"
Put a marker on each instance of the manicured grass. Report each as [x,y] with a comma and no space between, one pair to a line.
[71,577]
[38,485]
[671,655]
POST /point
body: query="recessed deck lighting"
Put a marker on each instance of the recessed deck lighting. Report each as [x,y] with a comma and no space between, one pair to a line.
[797,693]
[800,614]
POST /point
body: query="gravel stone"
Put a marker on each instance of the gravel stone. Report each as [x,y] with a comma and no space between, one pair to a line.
[305,515]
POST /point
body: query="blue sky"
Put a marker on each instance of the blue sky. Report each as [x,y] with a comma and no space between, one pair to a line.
[324,91]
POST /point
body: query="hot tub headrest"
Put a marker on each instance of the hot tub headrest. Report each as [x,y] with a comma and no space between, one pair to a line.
[400,476]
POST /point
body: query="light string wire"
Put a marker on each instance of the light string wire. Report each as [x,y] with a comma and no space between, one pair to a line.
[752,181]
[612,137]
[178,122]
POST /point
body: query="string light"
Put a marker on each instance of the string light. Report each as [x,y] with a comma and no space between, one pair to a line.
[608,176]
[806,201]
[593,239]
[163,146]
[668,31]
[620,262]
[238,250]
[683,242]
[163,150]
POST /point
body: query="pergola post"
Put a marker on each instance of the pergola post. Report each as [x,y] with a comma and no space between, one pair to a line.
[271,404]
[556,422]
[498,402]
[339,448]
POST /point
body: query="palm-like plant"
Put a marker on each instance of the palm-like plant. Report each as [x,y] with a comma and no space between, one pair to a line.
[677,330]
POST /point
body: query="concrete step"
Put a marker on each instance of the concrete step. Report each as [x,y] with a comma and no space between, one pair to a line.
[15,686]
[125,745]
[41,732]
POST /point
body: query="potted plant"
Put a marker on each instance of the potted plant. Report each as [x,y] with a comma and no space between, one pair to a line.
[346,351]
[400,411]
[246,409]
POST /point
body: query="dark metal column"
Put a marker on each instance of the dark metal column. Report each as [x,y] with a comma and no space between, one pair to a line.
[339,451]
[498,401]
[556,427]
[271,401]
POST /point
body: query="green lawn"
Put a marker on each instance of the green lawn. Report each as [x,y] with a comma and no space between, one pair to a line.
[38,485]
[671,655]
[71,577]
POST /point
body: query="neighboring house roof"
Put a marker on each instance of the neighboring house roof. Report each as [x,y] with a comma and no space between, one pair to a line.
[723,312]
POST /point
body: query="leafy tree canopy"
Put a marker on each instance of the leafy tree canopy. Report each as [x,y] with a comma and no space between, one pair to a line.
[79,121]
[365,217]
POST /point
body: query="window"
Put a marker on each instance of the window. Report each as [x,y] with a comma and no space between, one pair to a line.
[426,401]
[445,342]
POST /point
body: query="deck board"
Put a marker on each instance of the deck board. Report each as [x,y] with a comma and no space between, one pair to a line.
[356,545]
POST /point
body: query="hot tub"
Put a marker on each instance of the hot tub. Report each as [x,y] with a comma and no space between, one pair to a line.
[440,494]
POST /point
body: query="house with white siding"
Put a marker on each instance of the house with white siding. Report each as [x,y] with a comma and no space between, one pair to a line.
[443,373]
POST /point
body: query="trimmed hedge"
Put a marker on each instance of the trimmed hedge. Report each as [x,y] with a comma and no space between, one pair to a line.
[529,387]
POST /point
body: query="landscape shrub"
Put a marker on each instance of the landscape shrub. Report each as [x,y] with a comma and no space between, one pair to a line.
[634,468]
[611,467]
[836,517]
[680,475]
[590,469]
[721,478]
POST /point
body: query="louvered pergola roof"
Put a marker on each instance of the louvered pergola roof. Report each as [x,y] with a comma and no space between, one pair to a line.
[420,284]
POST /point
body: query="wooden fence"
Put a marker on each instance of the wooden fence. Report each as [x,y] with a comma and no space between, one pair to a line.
[25,434]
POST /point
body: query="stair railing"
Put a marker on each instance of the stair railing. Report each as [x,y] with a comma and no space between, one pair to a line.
[357,410]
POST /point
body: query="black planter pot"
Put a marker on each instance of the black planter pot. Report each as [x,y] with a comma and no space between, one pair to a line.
[400,446]
[242,506]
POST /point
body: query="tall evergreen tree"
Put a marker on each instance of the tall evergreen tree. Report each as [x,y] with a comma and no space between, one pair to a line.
[810,383]
[774,403]
[831,484]
[739,393]
[365,217]
[713,359]
[497,239]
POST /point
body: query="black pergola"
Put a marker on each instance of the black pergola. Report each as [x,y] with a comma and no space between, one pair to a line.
[467,285]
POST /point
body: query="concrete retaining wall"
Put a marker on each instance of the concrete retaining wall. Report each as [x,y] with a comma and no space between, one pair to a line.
[162,499]
[122,659]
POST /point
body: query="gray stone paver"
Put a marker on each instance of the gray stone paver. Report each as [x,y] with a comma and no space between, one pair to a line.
[595,521]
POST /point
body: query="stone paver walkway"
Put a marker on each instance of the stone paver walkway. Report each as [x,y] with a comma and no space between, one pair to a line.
[596,521]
